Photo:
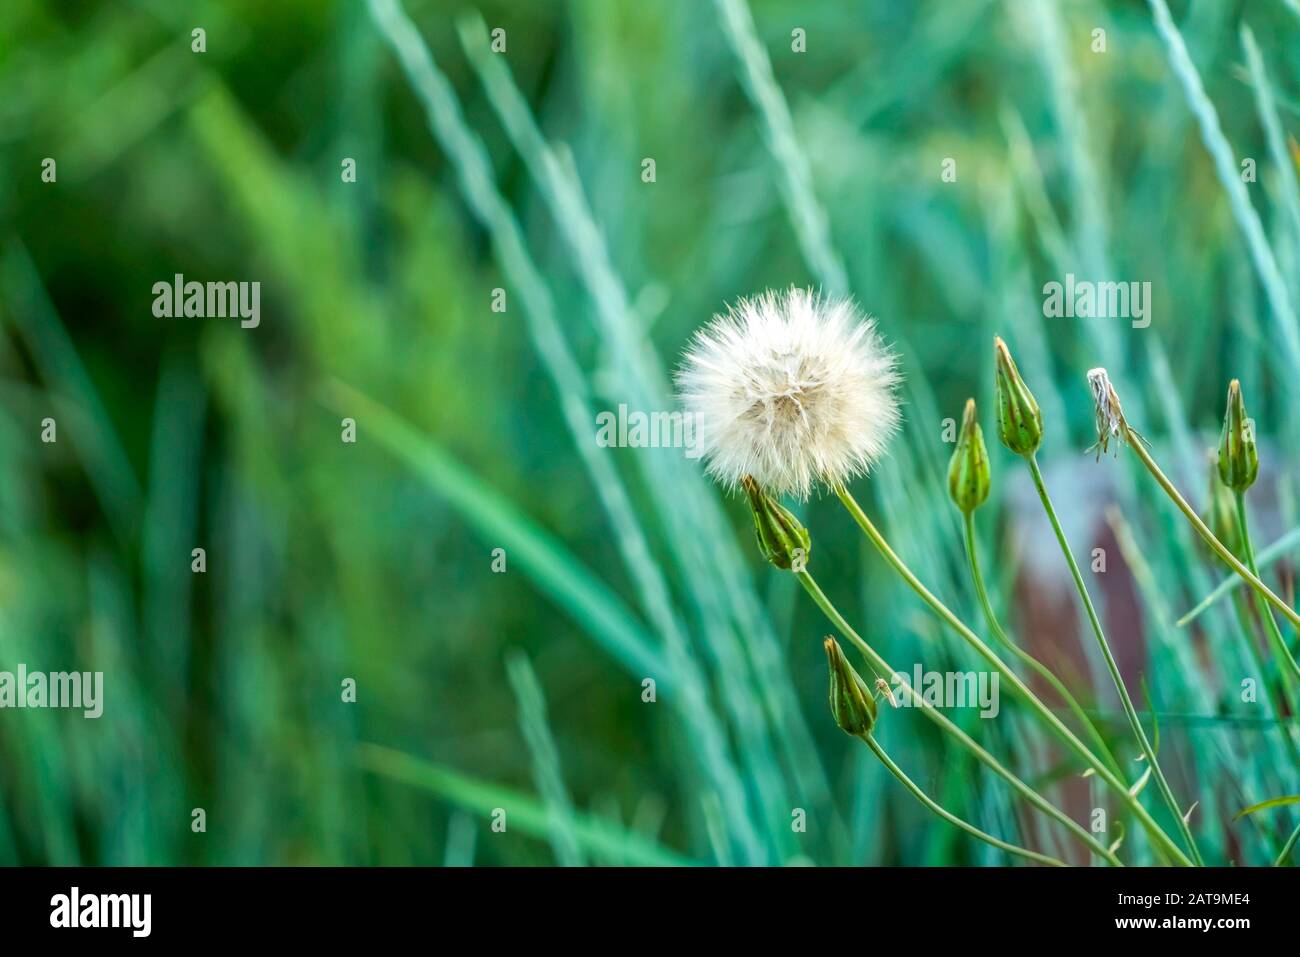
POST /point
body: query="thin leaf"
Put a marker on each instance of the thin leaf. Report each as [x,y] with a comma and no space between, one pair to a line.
[1136,789]
[1265,805]
[1114,845]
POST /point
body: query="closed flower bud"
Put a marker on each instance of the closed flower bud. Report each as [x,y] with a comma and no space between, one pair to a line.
[852,703]
[781,538]
[1020,422]
[1238,457]
[968,472]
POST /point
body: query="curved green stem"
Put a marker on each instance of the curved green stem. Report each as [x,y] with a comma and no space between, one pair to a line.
[1138,732]
[1158,836]
[882,667]
[1029,660]
[951,818]
[1286,663]
[1251,579]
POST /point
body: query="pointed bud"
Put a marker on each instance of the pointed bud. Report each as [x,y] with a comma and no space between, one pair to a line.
[1221,515]
[781,538]
[968,471]
[1020,422]
[1238,457]
[852,703]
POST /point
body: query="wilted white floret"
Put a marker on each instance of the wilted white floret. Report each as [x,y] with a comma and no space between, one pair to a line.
[792,389]
[1106,408]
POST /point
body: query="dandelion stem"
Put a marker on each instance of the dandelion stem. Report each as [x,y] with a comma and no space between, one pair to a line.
[948,816]
[1220,549]
[1286,662]
[1161,783]
[881,667]
[1158,835]
[1029,660]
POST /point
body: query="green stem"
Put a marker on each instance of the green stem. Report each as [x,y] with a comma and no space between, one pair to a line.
[1029,660]
[1286,701]
[1138,732]
[1267,555]
[1244,622]
[882,667]
[1288,847]
[1162,840]
[1291,671]
[951,818]
[1251,579]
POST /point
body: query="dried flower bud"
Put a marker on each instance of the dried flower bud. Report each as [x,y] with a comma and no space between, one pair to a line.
[1238,457]
[1109,414]
[852,703]
[968,471]
[1020,421]
[781,537]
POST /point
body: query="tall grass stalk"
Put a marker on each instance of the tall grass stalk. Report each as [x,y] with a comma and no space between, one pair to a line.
[547,774]
[1277,150]
[474,168]
[1225,166]
[806,213]
[1284,856]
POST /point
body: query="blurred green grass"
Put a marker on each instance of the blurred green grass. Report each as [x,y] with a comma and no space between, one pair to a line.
[479,171]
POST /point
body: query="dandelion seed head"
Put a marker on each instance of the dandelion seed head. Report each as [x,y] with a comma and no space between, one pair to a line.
[790,388]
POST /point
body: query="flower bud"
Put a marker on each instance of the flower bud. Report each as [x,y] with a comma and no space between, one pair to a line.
[968,471]
[781,538]
[1238,457]
[852,703]
[1020,422]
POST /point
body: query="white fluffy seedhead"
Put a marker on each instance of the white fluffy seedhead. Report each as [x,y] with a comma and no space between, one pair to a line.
[792,389]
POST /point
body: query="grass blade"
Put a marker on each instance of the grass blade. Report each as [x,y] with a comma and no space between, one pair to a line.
[522,811]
